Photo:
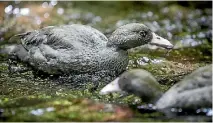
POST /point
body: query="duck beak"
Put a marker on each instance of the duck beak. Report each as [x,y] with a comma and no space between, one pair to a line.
[111,87]
[161,42]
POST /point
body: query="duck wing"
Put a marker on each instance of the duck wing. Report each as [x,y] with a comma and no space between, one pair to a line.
[63,37]
[68,46]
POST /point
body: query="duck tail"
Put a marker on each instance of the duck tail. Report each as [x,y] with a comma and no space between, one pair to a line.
[12,44]
[8,49]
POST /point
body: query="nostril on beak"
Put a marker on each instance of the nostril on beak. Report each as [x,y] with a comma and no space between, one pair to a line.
[170,47]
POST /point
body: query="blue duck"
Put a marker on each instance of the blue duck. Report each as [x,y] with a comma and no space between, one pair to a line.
[81,50]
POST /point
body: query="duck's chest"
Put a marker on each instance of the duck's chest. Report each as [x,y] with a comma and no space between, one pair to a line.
[86,60]
[103,59]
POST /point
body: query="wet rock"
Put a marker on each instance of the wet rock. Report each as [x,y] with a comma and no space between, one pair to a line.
[193,92]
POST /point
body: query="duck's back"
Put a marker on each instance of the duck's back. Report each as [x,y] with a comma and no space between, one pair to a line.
[68,36]
[71,48]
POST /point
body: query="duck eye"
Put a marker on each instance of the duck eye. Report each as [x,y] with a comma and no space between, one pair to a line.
[143,33]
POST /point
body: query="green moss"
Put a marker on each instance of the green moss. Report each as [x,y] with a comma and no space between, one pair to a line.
[174,67]
[57,109]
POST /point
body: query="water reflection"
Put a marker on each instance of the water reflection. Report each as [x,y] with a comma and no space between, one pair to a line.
[24,11]
[16,11]
[41,111]
[53,2]
[8,9]
[37,112]
[38,20]
[46,15]
[146,61]
[45,5]
[60,11]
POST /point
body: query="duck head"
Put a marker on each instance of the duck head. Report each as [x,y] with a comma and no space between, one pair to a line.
[135,34]
[138,82]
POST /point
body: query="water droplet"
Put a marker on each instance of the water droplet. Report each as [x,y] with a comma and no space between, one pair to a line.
[165,10]
[121,23]
[44,5]
[37,112]
[53,2]
[150,105]
[60,11]
[179,14]
[46,15]
[24,11]
[173,109]
[17,1]
[209,113]
[1,110]
[169,34]
[143,15]
[154,107]
[1,39]
[38,21]
[145,59]
[97,19]
[155,61]
[150,14]
[180,110]
[49,109]
[198,111]
[8,9]
[75,16]
[204,110]
[201,35]
[13,112]
[16,11]
[141,107]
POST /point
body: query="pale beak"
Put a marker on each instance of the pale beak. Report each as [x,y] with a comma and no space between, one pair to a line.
[161,42]
[111,87]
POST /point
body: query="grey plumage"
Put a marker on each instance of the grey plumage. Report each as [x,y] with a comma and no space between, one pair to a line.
[79,49]
[70,48]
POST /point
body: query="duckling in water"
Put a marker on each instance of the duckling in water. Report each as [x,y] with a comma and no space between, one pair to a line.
[193,92]
[82,50]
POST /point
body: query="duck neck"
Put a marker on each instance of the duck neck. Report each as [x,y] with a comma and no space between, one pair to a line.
[120,42]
